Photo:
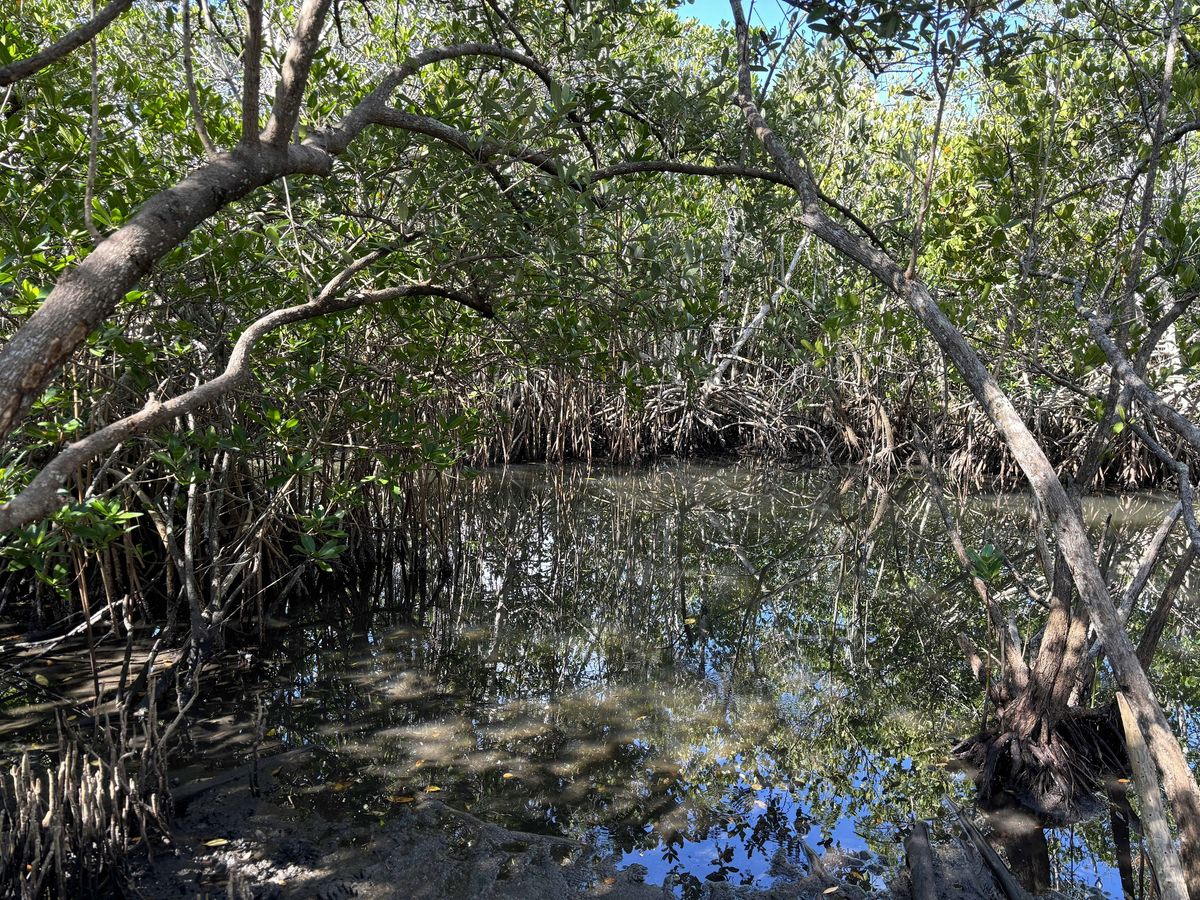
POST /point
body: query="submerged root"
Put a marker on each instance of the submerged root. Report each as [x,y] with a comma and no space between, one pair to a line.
[1058,775]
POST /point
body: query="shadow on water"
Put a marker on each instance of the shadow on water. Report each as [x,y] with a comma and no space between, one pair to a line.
[712,672]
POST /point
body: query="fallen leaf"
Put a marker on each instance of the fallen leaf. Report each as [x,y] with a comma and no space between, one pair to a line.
[401,798]
[690,620]
[340,785]
[756,786]
[508,775]
[216,842]
[1122,781]
[831,890]
[432,789]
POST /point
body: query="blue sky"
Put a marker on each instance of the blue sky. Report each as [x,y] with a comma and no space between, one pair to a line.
[712,12]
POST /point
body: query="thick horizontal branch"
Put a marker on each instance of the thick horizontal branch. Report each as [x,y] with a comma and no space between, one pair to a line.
[68,43]
[633,167]
[43,497]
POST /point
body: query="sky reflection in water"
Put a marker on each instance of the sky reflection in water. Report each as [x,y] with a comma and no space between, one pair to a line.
[697,669]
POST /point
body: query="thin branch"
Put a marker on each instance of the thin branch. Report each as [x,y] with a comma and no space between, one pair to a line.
[1018,669]
[484,150]
[943,92]
[479,149]
[1124,369]
[1149,560]
[210,149]
[718,375]
[89,187]
[1153,631]
[1183,476]
[633,167]
[1156,331]
[1134,274]
[334,140]
[68,43]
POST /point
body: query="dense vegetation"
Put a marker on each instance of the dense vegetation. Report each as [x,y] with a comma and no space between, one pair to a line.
[263,266]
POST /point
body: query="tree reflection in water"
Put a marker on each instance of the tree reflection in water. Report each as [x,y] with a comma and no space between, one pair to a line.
[701,669]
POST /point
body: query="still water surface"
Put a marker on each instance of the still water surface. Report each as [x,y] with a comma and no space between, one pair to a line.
[707,671]
[712,672]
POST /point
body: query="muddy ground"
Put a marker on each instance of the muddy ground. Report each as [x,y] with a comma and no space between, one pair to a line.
[234,842]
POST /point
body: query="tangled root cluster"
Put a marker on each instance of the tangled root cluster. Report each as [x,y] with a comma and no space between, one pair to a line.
[1056,777]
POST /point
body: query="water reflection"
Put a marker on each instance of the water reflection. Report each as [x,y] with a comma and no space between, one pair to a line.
[719,673]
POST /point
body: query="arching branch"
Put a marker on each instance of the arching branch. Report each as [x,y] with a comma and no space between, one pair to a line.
[1073,543]
[42,497]
[336,139]
[83,296]
[480,149]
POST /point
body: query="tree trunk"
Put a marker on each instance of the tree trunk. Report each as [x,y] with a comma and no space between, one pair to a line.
[1073,543]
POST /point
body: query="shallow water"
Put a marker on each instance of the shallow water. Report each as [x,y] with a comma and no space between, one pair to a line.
[699,669]
[712,672]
